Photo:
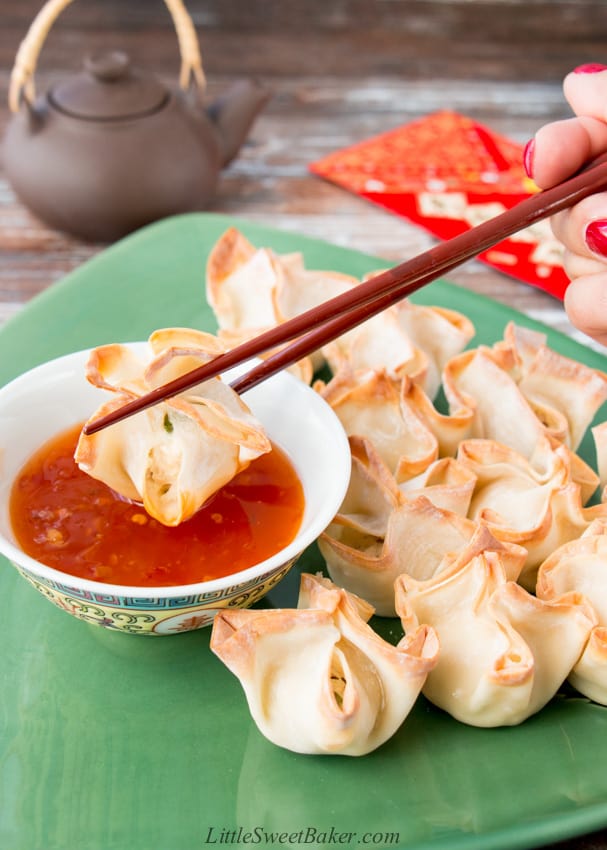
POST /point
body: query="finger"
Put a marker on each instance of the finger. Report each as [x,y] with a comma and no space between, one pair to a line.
[561,148]
[571,226]
[586,91]
[576,266]
[586,302]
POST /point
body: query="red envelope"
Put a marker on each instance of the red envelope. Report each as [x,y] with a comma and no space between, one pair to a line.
[447,173]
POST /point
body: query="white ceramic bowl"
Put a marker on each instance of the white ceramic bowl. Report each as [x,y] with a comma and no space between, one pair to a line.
[48,399]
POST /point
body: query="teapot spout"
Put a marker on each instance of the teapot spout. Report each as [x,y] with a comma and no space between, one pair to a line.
[233,114]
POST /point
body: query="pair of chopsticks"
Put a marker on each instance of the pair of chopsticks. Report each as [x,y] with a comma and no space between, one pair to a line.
[325,322]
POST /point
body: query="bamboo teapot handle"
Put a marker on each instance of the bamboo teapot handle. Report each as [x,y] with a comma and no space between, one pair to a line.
[22,76]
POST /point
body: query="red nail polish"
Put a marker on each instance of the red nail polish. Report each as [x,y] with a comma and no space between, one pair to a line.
[528,157]
[596,237]
[590,68]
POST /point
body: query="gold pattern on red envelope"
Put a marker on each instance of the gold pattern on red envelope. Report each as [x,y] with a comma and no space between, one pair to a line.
[447,173]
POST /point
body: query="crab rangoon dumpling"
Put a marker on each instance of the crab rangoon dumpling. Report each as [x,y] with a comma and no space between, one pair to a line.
[175,455]
[317,678]
[557,387]
[381,530]
[520,389]
[504,653]
[379,533]
[537,504]
[580,566]
[253,289]
[371,406]
[406,340]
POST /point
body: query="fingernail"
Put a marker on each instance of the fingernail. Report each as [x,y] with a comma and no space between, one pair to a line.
[596,237]
[590,68]
[528,157]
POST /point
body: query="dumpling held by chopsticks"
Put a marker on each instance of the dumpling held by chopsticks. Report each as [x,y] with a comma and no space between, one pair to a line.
[175,455]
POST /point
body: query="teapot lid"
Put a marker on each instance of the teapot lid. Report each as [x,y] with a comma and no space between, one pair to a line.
[109,89]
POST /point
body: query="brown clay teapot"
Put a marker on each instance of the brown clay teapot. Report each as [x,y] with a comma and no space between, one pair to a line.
[111,149]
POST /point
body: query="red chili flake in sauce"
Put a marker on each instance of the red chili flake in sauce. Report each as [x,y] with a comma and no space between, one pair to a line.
[67,520]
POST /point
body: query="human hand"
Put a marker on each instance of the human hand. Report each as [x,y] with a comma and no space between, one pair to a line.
[557,151]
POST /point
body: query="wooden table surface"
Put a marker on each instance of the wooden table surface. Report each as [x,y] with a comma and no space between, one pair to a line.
[339,72]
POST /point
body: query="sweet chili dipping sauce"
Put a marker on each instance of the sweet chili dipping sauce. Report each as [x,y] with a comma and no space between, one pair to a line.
[68,520]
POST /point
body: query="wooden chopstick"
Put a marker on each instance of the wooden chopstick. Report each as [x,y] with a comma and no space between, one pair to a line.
[323,323]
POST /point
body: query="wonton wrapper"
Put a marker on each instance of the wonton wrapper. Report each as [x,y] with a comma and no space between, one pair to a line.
[379,345]
[369,405]
[175,455]
[479,381]
[555,385]
[380,533]
[580,566]
[372,492]
[254,289]
[437,331]
[520,389]
[503,653]
[241,282]
[318,679]
[537,504]
[406,340]
[448,430]
[447,483]
[599,433]
[251,289]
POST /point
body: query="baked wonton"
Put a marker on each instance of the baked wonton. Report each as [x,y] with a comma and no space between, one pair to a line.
[317,678]
[580,566]
[406,340]
[557,387]
[479,380]
[520,388]
[370,566]
[175,455]
[370,405]
[503,653]
[253,289]
[537,503]
[381,531]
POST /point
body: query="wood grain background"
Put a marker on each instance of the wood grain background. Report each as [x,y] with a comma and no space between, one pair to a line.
[339,72]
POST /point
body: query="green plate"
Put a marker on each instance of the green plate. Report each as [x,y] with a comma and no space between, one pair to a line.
[110,741]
